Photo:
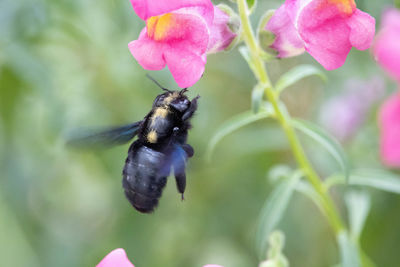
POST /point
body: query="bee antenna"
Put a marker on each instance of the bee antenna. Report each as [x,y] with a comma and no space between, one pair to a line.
[184,90]
[157,83]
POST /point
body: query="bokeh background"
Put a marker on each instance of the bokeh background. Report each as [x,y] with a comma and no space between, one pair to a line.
[64,65]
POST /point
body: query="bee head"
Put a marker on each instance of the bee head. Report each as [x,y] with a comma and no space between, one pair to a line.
[176,100]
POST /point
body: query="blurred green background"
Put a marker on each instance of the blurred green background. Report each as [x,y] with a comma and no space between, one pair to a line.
[64,65]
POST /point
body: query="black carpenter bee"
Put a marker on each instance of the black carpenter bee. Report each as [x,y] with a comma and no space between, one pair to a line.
[160,148]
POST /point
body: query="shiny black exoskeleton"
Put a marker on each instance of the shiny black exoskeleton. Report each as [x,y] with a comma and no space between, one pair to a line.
[160,148]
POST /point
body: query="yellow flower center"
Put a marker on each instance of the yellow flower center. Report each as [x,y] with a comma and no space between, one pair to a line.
[345,6]
[159,26]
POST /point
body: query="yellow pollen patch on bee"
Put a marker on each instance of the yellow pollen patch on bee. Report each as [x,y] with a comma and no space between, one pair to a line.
[152,137]
[161,112]
[170,98]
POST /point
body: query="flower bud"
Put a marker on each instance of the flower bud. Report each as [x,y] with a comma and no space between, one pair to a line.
[225,30]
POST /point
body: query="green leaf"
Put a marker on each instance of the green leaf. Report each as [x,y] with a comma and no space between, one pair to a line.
[274,208]
[375,178]
[236,123]
[306,189]
[325,140]
[257,97]
[348,251]
[358,206]
[296,74]
[251,4]
[365,260]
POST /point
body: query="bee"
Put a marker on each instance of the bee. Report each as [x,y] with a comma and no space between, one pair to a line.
[161,147]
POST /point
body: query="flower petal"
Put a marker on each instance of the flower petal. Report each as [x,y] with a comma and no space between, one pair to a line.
[149,8]
[287,41]
[389,119]
[325,34]
[294,9]
[386,47]
[116,258]
[362,29]
[185,66]
[187,30]
[220,34]
[148,53]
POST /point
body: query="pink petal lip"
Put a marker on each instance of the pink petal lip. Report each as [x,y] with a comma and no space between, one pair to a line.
[116,258]
[149,8]
[147,52]
[362,29]
[389,120]
[185,66]
[386,48]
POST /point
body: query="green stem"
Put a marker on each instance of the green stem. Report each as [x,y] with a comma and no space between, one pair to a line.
[284,119]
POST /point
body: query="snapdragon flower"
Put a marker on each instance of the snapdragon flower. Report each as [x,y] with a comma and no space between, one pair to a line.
[179,34]
[326,29]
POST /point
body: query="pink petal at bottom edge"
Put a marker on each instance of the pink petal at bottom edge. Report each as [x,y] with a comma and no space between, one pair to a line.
[389,120]
[116,258]
[186,67]
[362,29]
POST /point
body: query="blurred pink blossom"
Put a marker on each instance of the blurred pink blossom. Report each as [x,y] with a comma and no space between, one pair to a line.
[179,34]
[389,120]
[345,114]
[116,258]
[387,44]
[327,29]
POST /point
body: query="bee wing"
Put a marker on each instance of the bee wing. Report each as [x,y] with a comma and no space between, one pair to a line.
[176,158]
[105,138]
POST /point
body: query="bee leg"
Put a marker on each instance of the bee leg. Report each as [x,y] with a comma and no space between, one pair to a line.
[180,179]
[179,171]
[188,150]
[190,111]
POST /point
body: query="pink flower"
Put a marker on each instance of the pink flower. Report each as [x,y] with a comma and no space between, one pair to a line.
[389,120]
[327,29]
[116,258]
[345,114]
[179,34]
[387,44]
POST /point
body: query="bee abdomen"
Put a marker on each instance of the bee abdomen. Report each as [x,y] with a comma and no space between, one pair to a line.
[141,202]
[143,196]
[144,178]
